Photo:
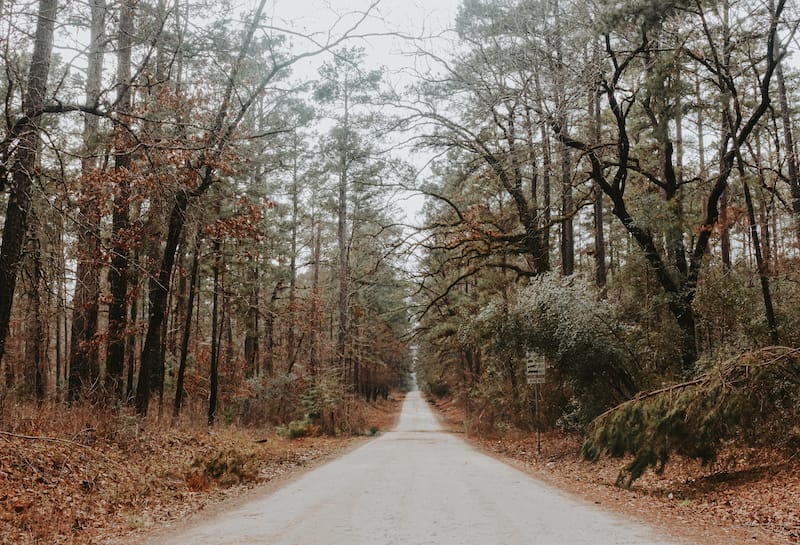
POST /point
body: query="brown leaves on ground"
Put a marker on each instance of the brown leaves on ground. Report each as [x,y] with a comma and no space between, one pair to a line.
[748,495]
[67,483]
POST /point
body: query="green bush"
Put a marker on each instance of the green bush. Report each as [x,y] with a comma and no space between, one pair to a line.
[299,428]
[439,389]
[580,336]
[753,399]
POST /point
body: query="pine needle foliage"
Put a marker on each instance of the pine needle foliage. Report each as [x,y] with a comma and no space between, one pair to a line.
[753,399]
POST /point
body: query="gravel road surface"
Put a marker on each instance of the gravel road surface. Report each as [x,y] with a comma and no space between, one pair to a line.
[416,485]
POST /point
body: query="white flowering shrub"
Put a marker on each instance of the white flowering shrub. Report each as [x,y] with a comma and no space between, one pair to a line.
[580,335]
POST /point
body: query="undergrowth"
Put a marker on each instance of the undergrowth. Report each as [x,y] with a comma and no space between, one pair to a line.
[753,398]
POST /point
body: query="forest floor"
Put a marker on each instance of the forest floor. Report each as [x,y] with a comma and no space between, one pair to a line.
[79,476]
[749,496]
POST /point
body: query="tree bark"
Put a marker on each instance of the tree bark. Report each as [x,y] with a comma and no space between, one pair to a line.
[788,144]
[600,272]
[341,239]
[84,358]
[187,327]
[24,169]
[36,337]
[221,133]
[292,319]
[314,358]
[214,376]
[251,345]
[567,228]
[761,264]
[120,223]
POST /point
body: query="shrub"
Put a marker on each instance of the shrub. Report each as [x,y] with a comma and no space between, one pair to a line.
[306,427]
[579,335]
[753,398]
[229,467]
[439,389]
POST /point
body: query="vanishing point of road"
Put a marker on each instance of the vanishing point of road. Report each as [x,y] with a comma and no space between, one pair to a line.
[415,485]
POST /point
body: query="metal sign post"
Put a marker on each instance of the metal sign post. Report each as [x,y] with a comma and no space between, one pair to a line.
[535,366]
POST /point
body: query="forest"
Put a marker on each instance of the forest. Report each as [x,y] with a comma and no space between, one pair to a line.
[193,224]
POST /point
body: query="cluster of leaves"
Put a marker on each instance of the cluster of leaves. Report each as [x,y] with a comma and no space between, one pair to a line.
[228,466]
[753,399]
[581,337]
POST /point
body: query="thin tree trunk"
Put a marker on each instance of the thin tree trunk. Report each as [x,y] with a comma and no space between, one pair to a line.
[547,170]
[214,377]
[120,223]
[763,269]
[600,273]
[35,339]
[131,340]
[187,328]
[341,238]
[292,319]
[793,178]
[251,345]
[221,135]
[567,204]
[314,359]
[60,312]
[84,358]
[724,221]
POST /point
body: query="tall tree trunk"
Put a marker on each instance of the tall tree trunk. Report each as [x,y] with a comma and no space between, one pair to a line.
[221,135]
[292,319]
[61,313]
[130,349]
[269,331]
[187,327]
[565,155]
[547,170]
[120,223]
[540,262]
[788,145]
[724,220]
[35,338]
[24,167]
[214,377]
[314,359]
[600,273]
[762,266]
[84,358]
[251,345]
[764,209]
[701,147]
[341,239]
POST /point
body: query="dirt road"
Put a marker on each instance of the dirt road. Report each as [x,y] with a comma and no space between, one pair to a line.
[416,485]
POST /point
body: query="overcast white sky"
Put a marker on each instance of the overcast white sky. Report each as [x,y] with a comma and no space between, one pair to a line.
[417,18]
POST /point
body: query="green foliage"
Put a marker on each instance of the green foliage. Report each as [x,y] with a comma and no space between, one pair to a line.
[322,394]
[642,14]
[304,427]
[438,389]
[727,303]
[579,335]
[753,398]
[275,400]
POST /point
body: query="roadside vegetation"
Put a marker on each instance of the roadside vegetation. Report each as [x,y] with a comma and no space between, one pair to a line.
[83,476]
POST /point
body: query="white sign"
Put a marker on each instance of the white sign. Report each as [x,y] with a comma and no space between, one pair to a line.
[535,366]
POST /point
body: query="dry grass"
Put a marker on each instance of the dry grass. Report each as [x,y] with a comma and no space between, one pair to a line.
[83,476]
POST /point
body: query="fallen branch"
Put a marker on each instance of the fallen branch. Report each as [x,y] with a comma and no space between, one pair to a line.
[753,398]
